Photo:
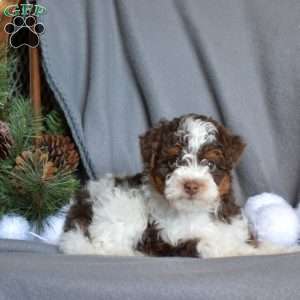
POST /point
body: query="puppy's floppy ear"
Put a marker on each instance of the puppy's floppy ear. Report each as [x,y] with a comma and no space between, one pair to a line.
[233,145]
[159,139]
[150,145]
[237,148]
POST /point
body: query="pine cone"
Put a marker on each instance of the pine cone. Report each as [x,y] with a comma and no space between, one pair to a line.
[34,161]
[61,151]
[36,158]
[5,140]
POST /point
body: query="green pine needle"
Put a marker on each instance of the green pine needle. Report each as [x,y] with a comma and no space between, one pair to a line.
[4,87]
[24,126]
[55,123]
[33,196]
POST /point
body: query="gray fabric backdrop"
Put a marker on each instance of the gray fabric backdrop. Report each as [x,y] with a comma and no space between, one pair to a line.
[118,66]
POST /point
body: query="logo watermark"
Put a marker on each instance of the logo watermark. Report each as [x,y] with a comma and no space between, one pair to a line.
[24,28]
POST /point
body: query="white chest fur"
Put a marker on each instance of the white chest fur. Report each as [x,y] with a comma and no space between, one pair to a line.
[216,238]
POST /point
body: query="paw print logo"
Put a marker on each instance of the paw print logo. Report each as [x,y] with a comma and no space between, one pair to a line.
[24,31]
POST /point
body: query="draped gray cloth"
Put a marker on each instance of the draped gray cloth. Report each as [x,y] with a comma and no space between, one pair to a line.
[116,67]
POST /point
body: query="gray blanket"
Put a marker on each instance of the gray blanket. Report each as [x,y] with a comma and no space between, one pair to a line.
[34,271]
[118,66]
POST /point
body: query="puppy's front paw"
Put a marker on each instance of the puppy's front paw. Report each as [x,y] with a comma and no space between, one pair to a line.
[188,248]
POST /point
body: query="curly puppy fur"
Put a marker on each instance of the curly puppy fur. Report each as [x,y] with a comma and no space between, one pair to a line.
[182,204]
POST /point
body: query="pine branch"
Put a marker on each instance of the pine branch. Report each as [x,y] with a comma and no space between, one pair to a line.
[34,190]
[4,85]
[35,181]
[55,123]
[23,126]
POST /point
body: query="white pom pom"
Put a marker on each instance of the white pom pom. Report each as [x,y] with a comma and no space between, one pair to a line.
[54,227]
[14,227]
[257,202]
[272,219]
[278,224]
[298,210]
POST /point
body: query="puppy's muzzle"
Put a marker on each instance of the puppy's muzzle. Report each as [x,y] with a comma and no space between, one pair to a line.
[192,187]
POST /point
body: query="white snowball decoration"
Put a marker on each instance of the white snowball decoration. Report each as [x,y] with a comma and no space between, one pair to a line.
[278,224]
[14,227]
[255,203]
[54,227]
[272,219]
[298,210]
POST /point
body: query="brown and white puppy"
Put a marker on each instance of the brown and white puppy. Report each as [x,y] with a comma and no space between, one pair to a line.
[182,204]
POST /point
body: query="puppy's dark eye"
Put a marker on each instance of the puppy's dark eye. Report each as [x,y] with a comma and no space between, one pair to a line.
[205,162]
[212,166]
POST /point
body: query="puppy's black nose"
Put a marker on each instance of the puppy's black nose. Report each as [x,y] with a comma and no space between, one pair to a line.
[191,187]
